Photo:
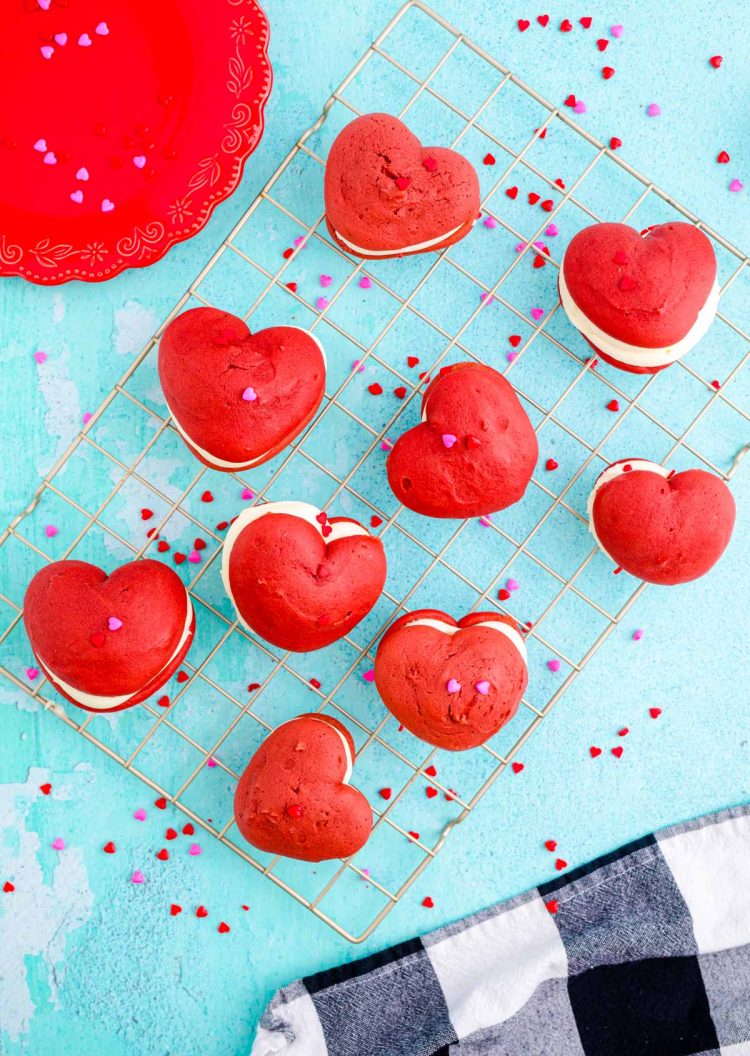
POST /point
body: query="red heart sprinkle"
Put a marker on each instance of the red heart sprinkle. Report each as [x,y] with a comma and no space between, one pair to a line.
[253,686]
[178,558]
[386,793]
[542,134]
[412,361]
[188,829]
[160,803]
[621,257]
[523,24]
[414,835]
[223,928]
[615,143]
[607,72]
[512,192]
[402,182]
[287,253]
[430,792]
[585,21]
[533,197]
[246,908]
[295,810]
[626,283]
[291,286]
[623,732]
[553,905]
[109,848]
[170,834]
[376,389]
[163,702]
[539,261]
[375,521]
[428,903]
[716,61]
[566,25]
[594,751]
[514,340]
[97,638]
[570,101]
[613,405]
[550,464]
[163,855]
[8,887]
[199,544]
[182,676]
[654,712]
[559,183]
[207,497]
[551,845]
[723,158]
[430,164]
[602,44]
[326,530]
[162,546]
[560,864]
[503,594]
[617,752]
[431,770]
[517,767]
[548,205]
[45,789]
[542,20]
[146,515]
[222,526]
[152,534]
[201,911]
[488,159]
[315,683]
[400,392]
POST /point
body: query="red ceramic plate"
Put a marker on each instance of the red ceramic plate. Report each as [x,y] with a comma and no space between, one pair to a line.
[124,123]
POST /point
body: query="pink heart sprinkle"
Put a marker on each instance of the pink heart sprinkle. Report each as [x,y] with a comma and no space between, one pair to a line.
[102,29]
[357,366]
[87,417]
[539,245]
[490,221]
[512,584]
[50,531]
[50,158]
[553,665]
[44,4]
[485,522]
[47,51]
[84,40]
[137,877]
[486,296]
[77,197]
[510,356]
[386,444]
[41,145]
[736,185]
[32,673]
[653,109]
[194,557]
[299,241]
[365,282]
[114,624]
[139,161]
[210,762]
[482,687]
[195,849]
[247,494]
[369,676]
[61,39]
[537,313]
[453,686]
[40,357]
[325,280]
[107,206]
[140,814]
[551,230]
[249,394]
[449,439]
[321,303]
[82,174]
[580,107]
[58,844]
[616,31]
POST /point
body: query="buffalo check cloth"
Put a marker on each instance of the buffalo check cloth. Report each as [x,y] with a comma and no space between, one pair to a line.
[644,952]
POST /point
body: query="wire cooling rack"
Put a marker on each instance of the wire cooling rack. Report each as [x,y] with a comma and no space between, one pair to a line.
[191,744]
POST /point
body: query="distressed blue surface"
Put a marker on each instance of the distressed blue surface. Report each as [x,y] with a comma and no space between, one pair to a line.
[92,964]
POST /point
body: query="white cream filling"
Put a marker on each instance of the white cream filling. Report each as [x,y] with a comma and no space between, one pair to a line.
[634,355]
[403,249]
[304,510]
[101,703]
[347,750]
[611,473]
[496,625]
[221,463]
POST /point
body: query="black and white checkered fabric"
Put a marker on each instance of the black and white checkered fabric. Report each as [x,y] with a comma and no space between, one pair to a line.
[648,954]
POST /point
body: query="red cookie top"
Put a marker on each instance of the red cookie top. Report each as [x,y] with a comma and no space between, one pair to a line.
[238,397]
[298,578]
[452,683]
[473,453]
[661,526]
[295,799]
[645,290]
[72,611]
[384,191]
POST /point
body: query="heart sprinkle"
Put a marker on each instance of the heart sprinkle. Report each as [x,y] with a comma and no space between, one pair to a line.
[140,814]
[325,280]
[517,767]
[430,164]
[201,911]
[295,810]
[109,848]
[8,887]
[47,51]
[175,909]
[453,686]
[223,928]
[369,676]
[402,182]
[617,752]
[365,283]
[580,107]
[188,828]
[431,770]
[449,439]
[613,405]
[247,494]
[543,20]
[722,157]
[716,61]
[553,665]
[736,185]
[537,313]
[551,230]
[58,844]
[102,30]
[77,197]
[50,158]
[137,877]
[45,789]
[653,109]
[490,222]
[207,497]
[512,585]
[160,803]
[386,793]
[594,751]
[431,792]
[637,635]
[32,673]
[616,31]
[550,465]
[623,732]
[249,395]
[523,24]
[61,39]
[482,687]
[551,845]
[428,903]
[114,624]
[560,864]
[552,906]
[107,205]
[163,855]
[615,143]
[195,850]
[139,161]
[84,40]
[654,712]
[170,834]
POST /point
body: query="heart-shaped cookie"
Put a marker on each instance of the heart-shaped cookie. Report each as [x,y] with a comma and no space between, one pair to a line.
[238,398]
[298,578]
[474,451]
[294,797]
[108,642]
[661,526]
[388,196]
[643,300]
[452,683]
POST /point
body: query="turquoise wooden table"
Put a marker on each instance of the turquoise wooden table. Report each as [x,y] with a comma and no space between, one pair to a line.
[91,963]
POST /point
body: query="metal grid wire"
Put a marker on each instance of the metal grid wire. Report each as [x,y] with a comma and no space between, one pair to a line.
[317,888]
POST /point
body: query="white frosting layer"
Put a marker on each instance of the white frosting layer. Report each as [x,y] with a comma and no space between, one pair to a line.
[97,702]
[496,625]
[304,510]
[634,355]
[221,463]
[394,252]
[347,750]
[611,473]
